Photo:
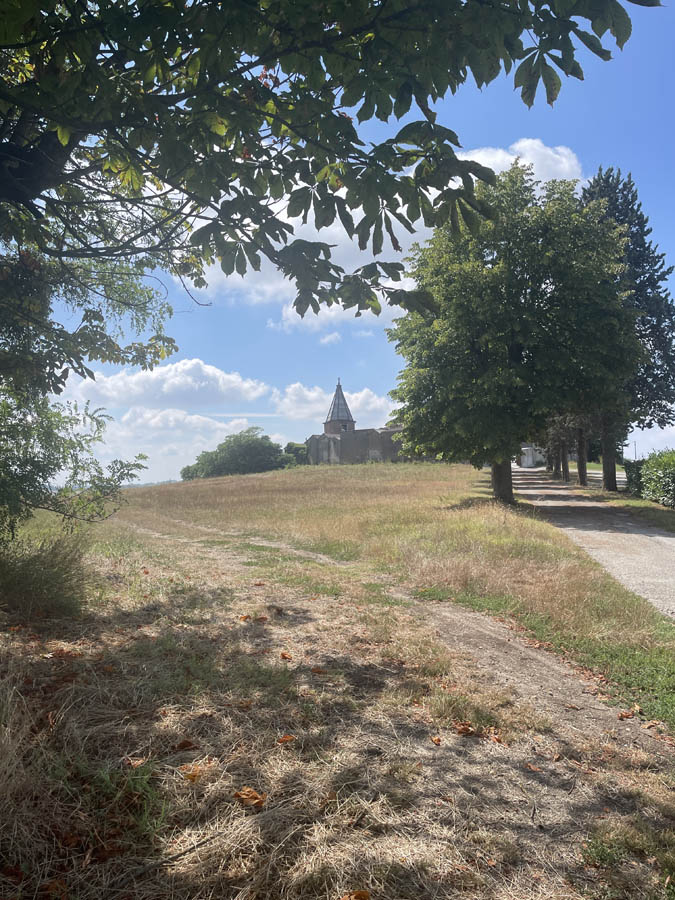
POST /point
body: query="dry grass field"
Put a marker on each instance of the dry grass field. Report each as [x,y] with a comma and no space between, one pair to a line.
[329,682]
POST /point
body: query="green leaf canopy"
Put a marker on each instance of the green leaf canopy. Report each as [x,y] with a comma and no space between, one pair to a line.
[189,132]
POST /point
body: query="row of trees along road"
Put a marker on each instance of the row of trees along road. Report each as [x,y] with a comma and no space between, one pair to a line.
[548,317]
[141,135]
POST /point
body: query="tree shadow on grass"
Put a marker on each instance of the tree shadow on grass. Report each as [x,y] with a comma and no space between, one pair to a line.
[140,739]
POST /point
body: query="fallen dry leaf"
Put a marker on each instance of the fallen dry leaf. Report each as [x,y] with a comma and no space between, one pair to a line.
[244,618]
[436,740]
[626,714]
[356,895]
[284,655]
[146,571]
[135,761]
[258,583]
[285,739]
[464,728]
[247,796]
[532,767]
[194,771]
[260,619]
[186,744]
[318,670]
[108,668]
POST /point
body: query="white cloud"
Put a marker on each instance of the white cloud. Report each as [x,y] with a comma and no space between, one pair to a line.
[364,333]
[332,316]
[333,337]
[189,383]
[297,401]
[170,438]
[548,162]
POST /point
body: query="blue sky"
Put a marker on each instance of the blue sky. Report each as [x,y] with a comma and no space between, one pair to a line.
[247,359]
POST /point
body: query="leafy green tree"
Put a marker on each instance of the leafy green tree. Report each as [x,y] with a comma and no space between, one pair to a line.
[104,299]
[529,322]
[47,462]
[298,452]
[651,388]
[239,454]
[190,132]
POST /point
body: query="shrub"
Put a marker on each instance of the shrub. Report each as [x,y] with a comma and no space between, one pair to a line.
[239,454]
[658,477]
[633,469]
[297,452]
[43,578]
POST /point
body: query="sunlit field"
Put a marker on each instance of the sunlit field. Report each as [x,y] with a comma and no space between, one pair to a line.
[321,681]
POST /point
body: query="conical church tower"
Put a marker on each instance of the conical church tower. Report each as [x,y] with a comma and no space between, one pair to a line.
[339,418]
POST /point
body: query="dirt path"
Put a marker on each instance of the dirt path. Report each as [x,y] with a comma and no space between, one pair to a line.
[640,556]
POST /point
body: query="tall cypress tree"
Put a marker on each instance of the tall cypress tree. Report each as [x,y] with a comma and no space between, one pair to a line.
[652,389]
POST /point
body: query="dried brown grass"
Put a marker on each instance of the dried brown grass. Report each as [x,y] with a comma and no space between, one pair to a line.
[125,737]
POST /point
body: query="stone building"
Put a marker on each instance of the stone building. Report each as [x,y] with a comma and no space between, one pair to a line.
[342,442]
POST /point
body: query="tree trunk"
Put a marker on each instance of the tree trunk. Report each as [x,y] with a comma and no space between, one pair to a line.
[608,439]
[502,483]
[582,453]
[556,461]
[564,461]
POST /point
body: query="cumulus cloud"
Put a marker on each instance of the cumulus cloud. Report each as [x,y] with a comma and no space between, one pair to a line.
[189,383]
[333,337]
[330,317]
[548,162]
[170,438]
[297,401]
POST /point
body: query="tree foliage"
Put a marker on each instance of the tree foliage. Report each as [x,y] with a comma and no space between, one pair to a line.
[529,321]
[47,462]
[645,276]
[239,454]
[41,444]
[650,390]
[103,299]
[192,132]
[297,452]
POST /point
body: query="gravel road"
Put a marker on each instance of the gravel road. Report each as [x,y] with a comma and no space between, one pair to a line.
[638,555]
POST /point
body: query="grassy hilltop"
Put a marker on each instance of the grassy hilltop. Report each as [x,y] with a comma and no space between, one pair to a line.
[281,686]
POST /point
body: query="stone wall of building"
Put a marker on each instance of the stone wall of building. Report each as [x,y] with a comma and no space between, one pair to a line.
[359,446]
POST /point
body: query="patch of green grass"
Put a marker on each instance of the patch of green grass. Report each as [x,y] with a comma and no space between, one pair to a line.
[602,853]
[377,594]
[634,837]
[311,584]
[123,805]
[343,551]
[654,514]
[643,675]
[248,675]
[269,561]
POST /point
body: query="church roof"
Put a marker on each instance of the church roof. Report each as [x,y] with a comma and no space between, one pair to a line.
[339,411]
